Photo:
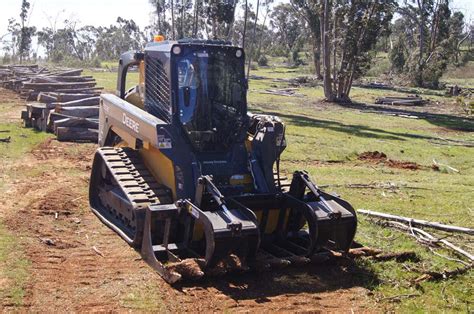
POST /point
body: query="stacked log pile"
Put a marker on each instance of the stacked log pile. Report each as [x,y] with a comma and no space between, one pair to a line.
[60,101]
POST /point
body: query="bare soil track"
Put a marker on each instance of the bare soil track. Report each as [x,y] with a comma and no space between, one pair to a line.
[78,264]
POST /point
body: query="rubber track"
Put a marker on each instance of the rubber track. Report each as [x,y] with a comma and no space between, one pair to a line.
[131,174]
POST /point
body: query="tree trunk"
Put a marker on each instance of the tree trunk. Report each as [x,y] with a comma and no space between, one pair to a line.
[421,7]
[245,23]
[317,58]
[172,19]
[328,92]
[254,38]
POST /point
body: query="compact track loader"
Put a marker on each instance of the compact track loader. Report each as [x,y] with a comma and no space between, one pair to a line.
[191,179]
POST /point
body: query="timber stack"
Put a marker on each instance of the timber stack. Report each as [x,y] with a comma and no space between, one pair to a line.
[60,101]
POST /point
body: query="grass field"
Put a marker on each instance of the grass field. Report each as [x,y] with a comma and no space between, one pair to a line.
[325,140]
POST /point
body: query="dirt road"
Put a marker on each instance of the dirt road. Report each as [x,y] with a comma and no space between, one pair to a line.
[77,264]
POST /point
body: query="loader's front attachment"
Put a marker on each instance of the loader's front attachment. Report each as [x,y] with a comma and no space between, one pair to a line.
[216,234]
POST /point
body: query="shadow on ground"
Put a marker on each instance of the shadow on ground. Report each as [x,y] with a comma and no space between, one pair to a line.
[342,274]
[447,121]
[453,122]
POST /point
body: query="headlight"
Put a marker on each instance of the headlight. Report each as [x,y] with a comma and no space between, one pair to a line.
[238,53]
[176,50]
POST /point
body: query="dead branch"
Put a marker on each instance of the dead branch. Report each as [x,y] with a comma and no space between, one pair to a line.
[5,140]
[419,222]
[435,276]
[426,238]
[97,251]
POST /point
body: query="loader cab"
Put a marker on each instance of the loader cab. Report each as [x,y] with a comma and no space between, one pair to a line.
[199,85]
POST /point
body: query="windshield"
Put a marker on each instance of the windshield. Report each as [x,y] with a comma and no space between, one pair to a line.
[211,96]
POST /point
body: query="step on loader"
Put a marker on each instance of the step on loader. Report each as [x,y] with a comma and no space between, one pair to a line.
[191,179]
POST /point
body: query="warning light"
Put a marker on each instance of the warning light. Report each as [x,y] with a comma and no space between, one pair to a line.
[158,38]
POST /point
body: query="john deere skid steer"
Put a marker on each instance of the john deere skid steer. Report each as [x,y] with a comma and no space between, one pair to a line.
[187,176]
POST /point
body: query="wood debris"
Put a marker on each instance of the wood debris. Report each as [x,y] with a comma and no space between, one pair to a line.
[57,94]
[415,222]
[401,101]
[290,92]
[5,140]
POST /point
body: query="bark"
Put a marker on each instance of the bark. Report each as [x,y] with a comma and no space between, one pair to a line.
[91,101]
[317,58]
[82,112]
[328,92]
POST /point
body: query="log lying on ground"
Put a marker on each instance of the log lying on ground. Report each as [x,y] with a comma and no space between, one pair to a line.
[76,134]
[419,222]
[396,100]
[82,111]
[290,92]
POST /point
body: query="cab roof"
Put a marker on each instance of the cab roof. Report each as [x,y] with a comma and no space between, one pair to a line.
[166,45]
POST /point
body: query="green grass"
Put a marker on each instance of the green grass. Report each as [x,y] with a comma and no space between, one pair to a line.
[108,80]
[22,140]
[462,76]
[13,269]
[339,134]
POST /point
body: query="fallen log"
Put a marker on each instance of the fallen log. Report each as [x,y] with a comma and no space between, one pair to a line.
[6,139]
[419,222]
[82,111]
[76,134]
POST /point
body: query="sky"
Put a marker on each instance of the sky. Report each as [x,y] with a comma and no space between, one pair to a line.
[44,13]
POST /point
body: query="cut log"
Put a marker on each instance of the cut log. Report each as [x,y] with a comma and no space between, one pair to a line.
[77,123]
[76,134]
[91,101]
[419,222]
[63,97]
[55,86]
[73,72]
[66,78]
[89,90]
[82,111]
[46,98]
